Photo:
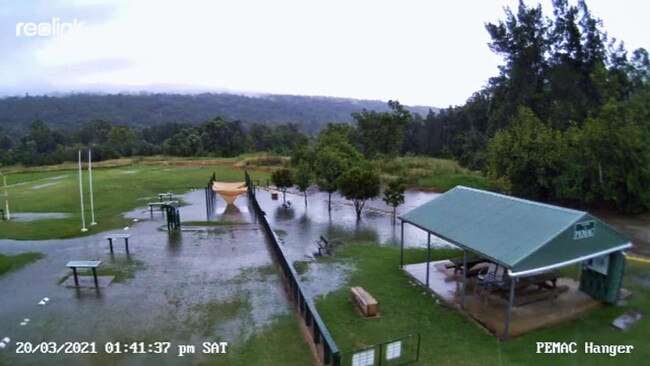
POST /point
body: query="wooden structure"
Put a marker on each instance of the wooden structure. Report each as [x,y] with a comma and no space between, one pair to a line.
[110,238]
[364,301]
[84,264]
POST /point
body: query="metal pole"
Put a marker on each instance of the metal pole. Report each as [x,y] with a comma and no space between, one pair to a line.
[4,177]
[81,197]
[462,296]
[90,178]
[401,258]
[510,303]
[428,256]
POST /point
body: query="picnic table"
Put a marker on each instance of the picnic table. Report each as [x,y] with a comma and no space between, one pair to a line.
[457,263]
[110,238]
[167,194]
[501,285]
[83,264]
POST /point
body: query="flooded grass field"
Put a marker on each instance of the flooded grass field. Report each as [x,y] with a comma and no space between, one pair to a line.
[212,282]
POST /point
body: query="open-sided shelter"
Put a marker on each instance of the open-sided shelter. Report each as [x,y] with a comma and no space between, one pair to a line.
[525,237]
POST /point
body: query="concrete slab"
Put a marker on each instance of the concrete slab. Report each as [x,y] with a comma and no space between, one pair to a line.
[489,310]
[88,281]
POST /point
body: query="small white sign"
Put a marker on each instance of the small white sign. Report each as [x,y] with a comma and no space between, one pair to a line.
[364,358]
[393,350]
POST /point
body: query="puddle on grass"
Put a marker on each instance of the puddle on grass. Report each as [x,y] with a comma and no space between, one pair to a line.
[33,216]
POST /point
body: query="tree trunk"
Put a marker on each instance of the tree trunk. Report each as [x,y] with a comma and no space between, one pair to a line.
[394,214]
[284,196]
[329,202]
[305,193]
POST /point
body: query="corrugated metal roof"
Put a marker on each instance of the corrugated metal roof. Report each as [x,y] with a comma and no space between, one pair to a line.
[517,233]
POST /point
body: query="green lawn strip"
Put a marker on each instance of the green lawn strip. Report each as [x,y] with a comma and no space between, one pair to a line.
[449,337]
[116,190]
[280,343]
[13,262]
[213,223]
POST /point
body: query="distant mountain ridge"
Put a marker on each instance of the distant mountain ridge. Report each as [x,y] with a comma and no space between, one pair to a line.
[62,112]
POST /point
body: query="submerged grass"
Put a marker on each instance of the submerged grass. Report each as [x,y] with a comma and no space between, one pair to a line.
[14,262]
[122,270]
[448,337]
[213,223]
[116,190]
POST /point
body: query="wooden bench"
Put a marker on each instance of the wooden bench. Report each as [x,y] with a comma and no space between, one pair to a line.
[110,238]
[84,264]
[364,301]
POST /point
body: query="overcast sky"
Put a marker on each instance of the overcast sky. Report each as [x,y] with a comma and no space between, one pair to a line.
[425,52]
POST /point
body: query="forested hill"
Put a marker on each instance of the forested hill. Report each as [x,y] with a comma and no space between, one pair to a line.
[64,112]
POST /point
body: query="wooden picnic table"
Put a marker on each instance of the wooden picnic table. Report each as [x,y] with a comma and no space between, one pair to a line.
[84,264]
[110,238]
[457,263]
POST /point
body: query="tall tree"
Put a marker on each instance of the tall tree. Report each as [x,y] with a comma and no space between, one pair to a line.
[382,132]
[303,177]
[330,165]
[283,180]
[394,195]
[359,184]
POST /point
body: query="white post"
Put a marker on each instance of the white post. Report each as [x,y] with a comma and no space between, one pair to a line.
[81,196]
[6,198]
[90,178]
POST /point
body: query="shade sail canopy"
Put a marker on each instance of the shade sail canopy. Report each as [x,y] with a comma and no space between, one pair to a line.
[229,191]
[524,236]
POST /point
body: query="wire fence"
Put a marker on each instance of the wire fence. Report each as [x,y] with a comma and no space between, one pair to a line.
[327,350]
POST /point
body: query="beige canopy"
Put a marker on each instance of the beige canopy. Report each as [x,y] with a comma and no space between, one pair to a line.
[229,191]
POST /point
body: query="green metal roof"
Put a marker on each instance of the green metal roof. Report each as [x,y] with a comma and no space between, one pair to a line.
[524,236]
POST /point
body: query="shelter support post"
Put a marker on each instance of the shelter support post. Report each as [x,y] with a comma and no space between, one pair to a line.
[428,256]
[462,296]
[511,300]
[401,246]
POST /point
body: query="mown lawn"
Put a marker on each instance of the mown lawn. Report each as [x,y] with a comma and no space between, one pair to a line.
[116,190]
[14,262]
[449,338]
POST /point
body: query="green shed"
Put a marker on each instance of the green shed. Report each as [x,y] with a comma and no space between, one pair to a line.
[526,237]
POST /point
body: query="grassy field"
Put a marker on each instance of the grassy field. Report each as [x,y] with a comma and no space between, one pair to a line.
[116,190]
[437,174]
[449,338]
[14,262]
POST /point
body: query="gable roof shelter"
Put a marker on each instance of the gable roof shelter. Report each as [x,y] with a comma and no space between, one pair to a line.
[526,237]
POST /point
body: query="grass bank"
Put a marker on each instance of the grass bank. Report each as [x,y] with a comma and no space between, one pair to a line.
[13,262]
[433,173]
[449,338]
[116,190]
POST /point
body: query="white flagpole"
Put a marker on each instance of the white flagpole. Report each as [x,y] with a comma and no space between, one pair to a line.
[81,196]
[90,177]
[6,198]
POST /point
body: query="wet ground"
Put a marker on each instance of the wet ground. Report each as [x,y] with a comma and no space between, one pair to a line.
[202,284]
[187,288]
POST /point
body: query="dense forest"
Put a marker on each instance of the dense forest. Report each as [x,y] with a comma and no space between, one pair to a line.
[566,120]
[67,112]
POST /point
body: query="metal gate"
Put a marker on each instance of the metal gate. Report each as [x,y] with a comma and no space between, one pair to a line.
[400,351]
